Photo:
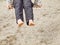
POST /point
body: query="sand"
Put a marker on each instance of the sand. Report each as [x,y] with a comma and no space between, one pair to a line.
[45,32]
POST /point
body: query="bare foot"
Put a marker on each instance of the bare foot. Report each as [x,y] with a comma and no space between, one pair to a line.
[31,23]
[20,22]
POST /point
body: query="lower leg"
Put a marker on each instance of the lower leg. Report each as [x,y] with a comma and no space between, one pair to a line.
[28,11]
[19,11]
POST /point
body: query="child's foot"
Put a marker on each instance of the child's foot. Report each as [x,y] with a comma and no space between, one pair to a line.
[31,23]
[20,22]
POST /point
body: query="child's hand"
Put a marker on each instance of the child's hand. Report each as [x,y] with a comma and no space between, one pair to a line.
[10,6]
[38,6]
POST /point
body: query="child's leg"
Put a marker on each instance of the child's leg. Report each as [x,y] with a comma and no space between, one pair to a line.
[18,4]
[32,4]
[28,10]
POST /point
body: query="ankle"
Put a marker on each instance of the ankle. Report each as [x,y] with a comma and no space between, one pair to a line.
[30,20]
[20,21]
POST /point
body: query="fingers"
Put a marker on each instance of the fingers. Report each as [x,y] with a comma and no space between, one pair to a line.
[37,6]
[9,6]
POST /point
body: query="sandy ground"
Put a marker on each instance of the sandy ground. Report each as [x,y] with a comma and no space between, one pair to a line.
[45,32]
